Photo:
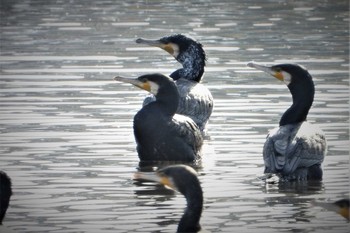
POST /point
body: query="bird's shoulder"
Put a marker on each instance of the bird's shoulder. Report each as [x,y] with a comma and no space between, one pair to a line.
[305,135]
[195,99]
[193,88]
[187,128]
[148,99]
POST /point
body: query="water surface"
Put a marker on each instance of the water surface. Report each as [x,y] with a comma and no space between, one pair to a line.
[66,126]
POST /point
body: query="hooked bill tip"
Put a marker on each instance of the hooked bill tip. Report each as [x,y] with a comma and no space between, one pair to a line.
[120,79]
[251,64]
[139,40]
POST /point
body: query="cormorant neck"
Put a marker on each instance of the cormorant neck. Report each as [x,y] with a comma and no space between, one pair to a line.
[190,220]
[167,99]
[303,96]
[193,62]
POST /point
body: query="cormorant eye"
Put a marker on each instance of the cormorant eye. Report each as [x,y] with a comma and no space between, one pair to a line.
[143,80]
[277,69]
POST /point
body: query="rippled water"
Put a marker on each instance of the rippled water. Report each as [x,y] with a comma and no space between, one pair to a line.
[66,126]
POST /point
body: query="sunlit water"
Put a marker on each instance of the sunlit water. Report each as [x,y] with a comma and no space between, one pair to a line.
[66,126]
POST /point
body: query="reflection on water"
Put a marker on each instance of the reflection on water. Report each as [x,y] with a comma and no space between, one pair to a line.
[66,126]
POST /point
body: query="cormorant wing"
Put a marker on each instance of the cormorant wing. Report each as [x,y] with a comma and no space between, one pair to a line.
[188,130]
[293,146]
[148,99]
[196,101]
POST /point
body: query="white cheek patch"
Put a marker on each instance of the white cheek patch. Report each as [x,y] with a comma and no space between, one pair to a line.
[176,50]
[287,78]
[153,87]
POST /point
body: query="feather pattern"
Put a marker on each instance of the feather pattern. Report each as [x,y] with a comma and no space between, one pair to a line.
[195,101]
[294,146]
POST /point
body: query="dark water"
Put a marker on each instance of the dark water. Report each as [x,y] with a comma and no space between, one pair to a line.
[66,126]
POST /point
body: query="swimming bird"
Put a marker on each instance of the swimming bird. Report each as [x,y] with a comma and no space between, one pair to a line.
[184,179]
[196,100]
[296,148]
[5,194]
[162,135]
[341,207]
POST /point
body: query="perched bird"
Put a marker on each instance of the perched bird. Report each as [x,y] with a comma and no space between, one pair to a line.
[196,100]
[183,179]
[5,194]
[341,206]
[162,135]
[296,148]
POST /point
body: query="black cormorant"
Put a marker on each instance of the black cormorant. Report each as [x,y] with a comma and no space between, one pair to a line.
[296,148]
[196,100]
[162,135]
[5,194]
[183,179]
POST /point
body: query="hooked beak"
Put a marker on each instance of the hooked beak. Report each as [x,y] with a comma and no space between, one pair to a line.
[267,69]
[157,43]
[156,177]
[143,85]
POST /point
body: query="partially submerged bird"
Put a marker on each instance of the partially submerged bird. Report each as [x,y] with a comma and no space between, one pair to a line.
[5,194]
[162,135]
[183,179]
[196,100]
[296,148]
[341,207]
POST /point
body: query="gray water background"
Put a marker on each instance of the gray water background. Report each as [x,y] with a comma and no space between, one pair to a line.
[66,127]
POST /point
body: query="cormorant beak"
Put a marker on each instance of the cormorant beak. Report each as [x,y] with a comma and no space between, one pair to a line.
[171,48]
[344,211]
[267,69]
[136,82]
[156,177]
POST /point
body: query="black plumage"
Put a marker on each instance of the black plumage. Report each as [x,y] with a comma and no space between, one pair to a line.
[162,135]
[295,149]
[196,100]
[5,194]
[183,179]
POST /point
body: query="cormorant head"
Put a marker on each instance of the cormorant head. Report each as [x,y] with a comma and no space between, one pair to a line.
[185,50]
[300,85]
[183,179]
[178,45]
[290,74]
[161,86]
[149,82]
[178,177]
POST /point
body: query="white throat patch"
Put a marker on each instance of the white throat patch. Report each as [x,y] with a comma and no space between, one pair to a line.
[287,78]
[176,50]
[153,87]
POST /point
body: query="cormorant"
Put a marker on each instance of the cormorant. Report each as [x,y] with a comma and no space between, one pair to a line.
[5,194]
[296,148]
[183,179]
[162,135]
[196,100]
